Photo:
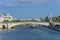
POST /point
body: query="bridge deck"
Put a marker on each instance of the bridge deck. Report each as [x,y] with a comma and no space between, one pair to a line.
[10,25]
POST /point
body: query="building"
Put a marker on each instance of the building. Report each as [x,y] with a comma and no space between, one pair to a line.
[1,19]
[38,19]
[5,17]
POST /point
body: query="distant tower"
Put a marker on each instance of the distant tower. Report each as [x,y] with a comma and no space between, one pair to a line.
[51,23]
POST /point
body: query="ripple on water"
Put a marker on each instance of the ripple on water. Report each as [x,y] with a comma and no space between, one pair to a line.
[29,34]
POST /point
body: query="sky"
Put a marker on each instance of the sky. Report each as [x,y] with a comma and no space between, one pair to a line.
[23,9]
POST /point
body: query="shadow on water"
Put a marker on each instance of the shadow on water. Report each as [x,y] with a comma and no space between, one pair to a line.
[41,27]
[30,27]
[55,28]
[37,32]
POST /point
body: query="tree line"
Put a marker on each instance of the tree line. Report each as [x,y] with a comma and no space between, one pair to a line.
[32,20]
[46,19]
[55,19]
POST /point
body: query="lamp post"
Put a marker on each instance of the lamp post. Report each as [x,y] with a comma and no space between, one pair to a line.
[7,24]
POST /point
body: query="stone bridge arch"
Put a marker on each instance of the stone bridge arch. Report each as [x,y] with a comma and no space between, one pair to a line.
[10,25]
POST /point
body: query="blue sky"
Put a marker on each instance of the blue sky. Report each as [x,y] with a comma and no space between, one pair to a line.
[30,8]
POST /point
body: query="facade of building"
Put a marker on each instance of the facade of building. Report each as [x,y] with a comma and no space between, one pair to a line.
[1,19]
[38,19]
[5,17]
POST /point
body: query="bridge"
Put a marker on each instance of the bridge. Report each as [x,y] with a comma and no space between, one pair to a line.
[10,25]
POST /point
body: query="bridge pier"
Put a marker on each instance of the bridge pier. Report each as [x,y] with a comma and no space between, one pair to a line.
[3,26]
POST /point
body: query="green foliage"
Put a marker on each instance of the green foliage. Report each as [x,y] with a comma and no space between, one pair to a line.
[46,19]
[55,19]
[11,21]
[15,21]
[21,20]
[5,21]
[58,18]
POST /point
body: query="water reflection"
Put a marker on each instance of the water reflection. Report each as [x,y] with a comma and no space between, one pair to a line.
[29,34]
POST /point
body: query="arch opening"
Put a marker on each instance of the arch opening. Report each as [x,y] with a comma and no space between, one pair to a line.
[25,26]
[3,27]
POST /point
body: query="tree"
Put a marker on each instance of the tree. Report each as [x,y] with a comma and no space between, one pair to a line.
[58,18]
[5,21]
[46,19]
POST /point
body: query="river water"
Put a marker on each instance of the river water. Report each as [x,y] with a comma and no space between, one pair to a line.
[29,34]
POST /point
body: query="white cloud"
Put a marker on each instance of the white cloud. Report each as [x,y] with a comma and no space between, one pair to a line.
[10,3]
[2,3]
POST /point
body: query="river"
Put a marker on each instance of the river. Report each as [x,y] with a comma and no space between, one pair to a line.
[29,34]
